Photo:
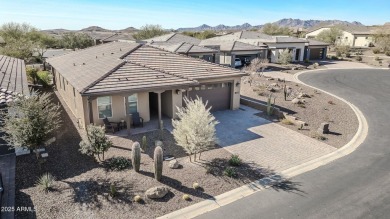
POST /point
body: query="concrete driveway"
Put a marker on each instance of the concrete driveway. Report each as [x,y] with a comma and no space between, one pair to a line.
[265,143]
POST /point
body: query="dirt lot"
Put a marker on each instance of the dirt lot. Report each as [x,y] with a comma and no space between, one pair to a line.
[82,185]
[317,108]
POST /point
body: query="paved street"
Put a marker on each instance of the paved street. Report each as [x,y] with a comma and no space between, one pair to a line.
[265,143]
[355,186]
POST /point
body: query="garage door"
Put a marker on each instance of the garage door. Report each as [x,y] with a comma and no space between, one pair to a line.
[217,95]
[316,54]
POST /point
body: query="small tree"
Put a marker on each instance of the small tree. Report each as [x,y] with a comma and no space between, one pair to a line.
[149,31]
[382,39]
[95,142]
[274,29]
[195,128]
[285,57]
[330,36]
[30,121]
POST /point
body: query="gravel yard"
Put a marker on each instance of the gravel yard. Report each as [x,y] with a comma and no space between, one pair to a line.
[317,108]
[82,187]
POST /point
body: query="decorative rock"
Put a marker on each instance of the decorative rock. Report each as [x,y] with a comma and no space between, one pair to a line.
[301,95]
[296,101]
[156,192]
[323,129]
[173,164]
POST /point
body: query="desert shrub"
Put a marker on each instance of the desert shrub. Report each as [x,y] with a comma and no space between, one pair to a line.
[32,75]
[285,57]
[306,61]
[230,172]
[302,105]
[235,160]
[196,185]
[287,122]
[359,52]
[348,54]
[387,53]
[318,136]
[376,50]
[334,58]
[45,182]
[316,65]
[117,163]
[377,58]
[358,58]
[95,142]
[338,53]
[44,78]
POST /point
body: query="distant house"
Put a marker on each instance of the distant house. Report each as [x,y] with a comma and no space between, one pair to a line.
[116,79]
[174,38]
[118,37]
[353,35]
[267,46]
[12,84]
[208,54]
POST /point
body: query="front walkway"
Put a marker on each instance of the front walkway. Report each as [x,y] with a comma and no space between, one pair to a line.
[268,144]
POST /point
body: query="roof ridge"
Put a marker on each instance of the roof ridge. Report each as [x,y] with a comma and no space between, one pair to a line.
[180,45]
[110,36]
[199,59]
[191,46]
[173,34]
[240,34]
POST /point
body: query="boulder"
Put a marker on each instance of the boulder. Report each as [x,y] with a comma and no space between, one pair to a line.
[301,95]
[296,101]
[156,192]
[173,164]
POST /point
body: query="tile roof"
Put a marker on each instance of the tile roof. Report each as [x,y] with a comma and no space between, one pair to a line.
[98,35]
[130,66]
[118,37]
[136,77]
[312,42]
[13,75]
[183,48]
[83,67]
[354,29]
[53,52]
[175,38]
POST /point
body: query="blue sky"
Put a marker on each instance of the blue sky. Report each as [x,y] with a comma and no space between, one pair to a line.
[115,14]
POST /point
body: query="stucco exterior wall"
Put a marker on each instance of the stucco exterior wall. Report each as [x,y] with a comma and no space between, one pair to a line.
[166,103]
[363,40]
[348,39]
[277,48]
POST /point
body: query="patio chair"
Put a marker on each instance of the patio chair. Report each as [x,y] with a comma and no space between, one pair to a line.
[110,126]
[137,120]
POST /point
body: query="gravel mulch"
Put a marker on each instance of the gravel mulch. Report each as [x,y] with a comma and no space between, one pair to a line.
[319,108]
[82,187]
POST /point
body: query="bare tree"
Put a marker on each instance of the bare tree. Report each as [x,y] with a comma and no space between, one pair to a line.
[95,142]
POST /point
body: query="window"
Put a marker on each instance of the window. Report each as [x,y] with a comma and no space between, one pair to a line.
[104,107]
[133,104]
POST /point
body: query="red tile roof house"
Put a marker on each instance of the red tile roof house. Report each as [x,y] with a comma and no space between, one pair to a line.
[116,79]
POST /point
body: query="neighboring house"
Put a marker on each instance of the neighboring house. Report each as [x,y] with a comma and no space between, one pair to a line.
[116,79]
[98,37]
[208,54]
[274,44]
[353,35]
[315,50]
[13,83]
[175,38]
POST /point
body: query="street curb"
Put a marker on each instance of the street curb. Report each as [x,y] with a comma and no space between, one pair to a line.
[259,185]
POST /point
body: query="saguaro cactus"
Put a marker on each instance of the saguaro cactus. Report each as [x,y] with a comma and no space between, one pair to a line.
[158,163]
[144,144]
[270,106]
[136,156]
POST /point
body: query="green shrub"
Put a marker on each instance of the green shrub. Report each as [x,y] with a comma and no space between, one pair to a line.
[44,78]
[334,58]
[186,197]
[358,58]
[46,181]
[376,50]
[338,53]
[118,163]
[230,172]
[307,61]
[348,54]
[32,75]
[235,160]
[195,185]
[113,191]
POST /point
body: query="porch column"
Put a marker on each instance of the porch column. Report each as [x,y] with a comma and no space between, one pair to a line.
[90,109]
[159,108]
[128,119]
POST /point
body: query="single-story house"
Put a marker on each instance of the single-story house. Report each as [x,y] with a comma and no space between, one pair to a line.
[174,38]
[13,83]
[98,36]
[274,44]
[116,79]
[201,52]
[315,50]
[119,37]
[353,35]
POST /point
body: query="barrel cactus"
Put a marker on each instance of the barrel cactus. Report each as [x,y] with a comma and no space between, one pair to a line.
[158,163]
[136,156]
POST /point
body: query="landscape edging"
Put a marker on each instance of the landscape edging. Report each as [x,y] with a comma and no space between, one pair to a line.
[256,186]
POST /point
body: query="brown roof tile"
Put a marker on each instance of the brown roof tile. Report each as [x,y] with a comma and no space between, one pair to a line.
[13,75]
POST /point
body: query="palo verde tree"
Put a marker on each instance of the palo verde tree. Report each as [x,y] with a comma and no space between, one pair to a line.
[195,128]
[95,142]
[330,36]
[149,31]
[31,121]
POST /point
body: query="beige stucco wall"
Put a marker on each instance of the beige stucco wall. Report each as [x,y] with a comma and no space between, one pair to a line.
[347,38]
[119,108]
[73,99]
[277,48]
[363,40]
